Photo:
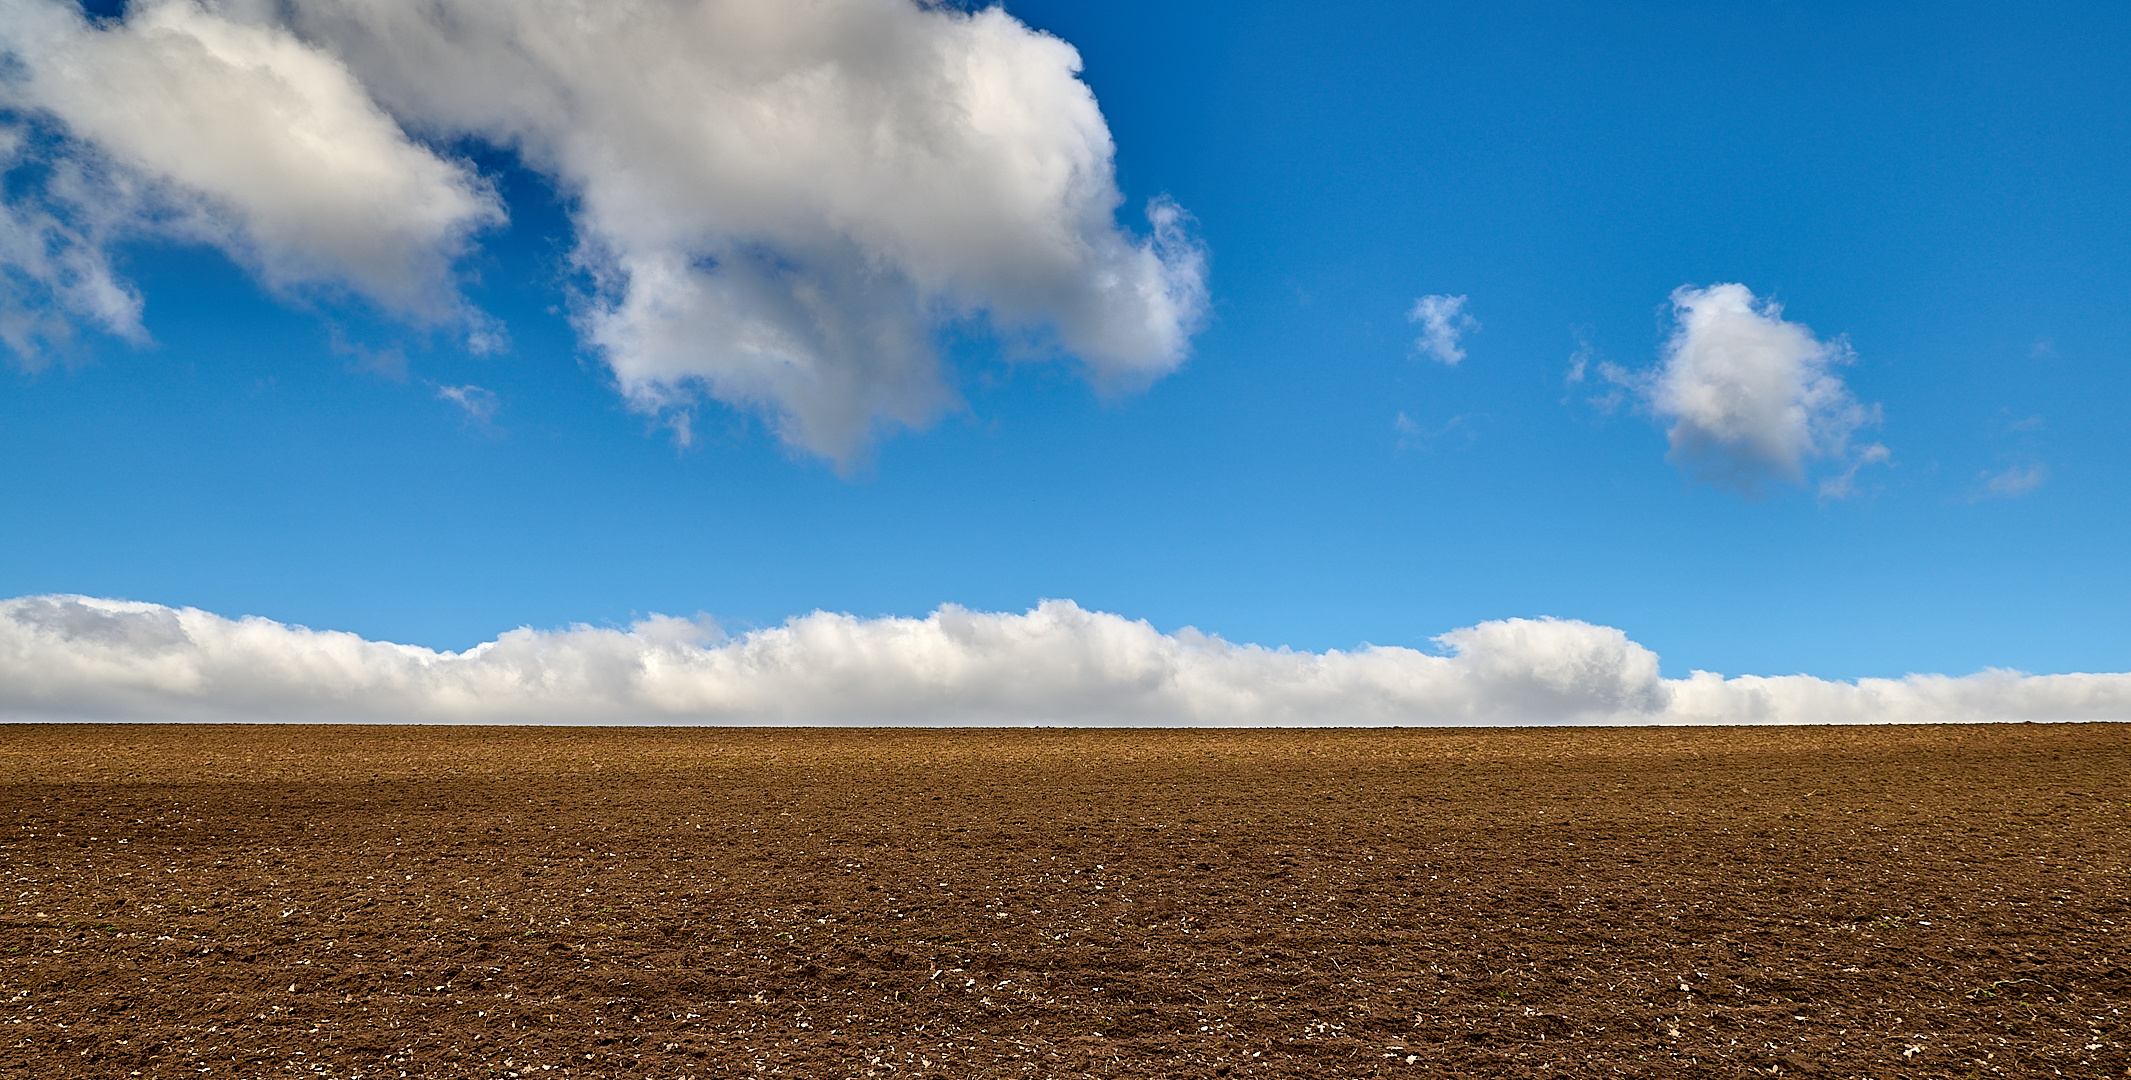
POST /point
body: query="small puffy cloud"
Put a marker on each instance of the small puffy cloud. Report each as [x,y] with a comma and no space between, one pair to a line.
[72,657]
[250,139]
[777,205]
[1750,396]
[1443,322]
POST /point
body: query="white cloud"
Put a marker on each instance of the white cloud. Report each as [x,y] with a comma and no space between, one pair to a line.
[1579,361]
[1751,396]
[1988,696]
[70,657]
[54,236]
[250,139]
[778,204]
[1443,322]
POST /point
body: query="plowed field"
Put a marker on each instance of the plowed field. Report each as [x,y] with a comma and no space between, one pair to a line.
[498,902]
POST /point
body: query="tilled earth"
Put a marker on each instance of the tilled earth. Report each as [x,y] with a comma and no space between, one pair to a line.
[668,903]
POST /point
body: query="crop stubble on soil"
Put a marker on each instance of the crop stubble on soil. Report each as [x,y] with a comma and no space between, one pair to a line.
[460,902]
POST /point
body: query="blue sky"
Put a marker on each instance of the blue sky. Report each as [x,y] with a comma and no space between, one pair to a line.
[1940,190]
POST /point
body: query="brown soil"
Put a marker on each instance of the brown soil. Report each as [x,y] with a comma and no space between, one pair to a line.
[481,902]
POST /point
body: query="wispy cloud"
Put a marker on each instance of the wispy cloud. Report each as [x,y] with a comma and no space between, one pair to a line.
[2009,483]
[389,362]
[1580,360]
[1444,324]
[1619,382]
[1412,435]
[776,205]
[59,216]
[478,404]
[1842,485]
[72,657]
[1407,430]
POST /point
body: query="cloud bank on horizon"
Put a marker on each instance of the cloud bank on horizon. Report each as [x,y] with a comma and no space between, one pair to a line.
[81,658]
[776,205]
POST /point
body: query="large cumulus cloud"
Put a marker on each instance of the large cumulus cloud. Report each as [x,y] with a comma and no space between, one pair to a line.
[71,657]
[243,136]
[778,202]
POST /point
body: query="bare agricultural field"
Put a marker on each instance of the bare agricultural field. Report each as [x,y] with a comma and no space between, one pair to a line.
[497,902]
